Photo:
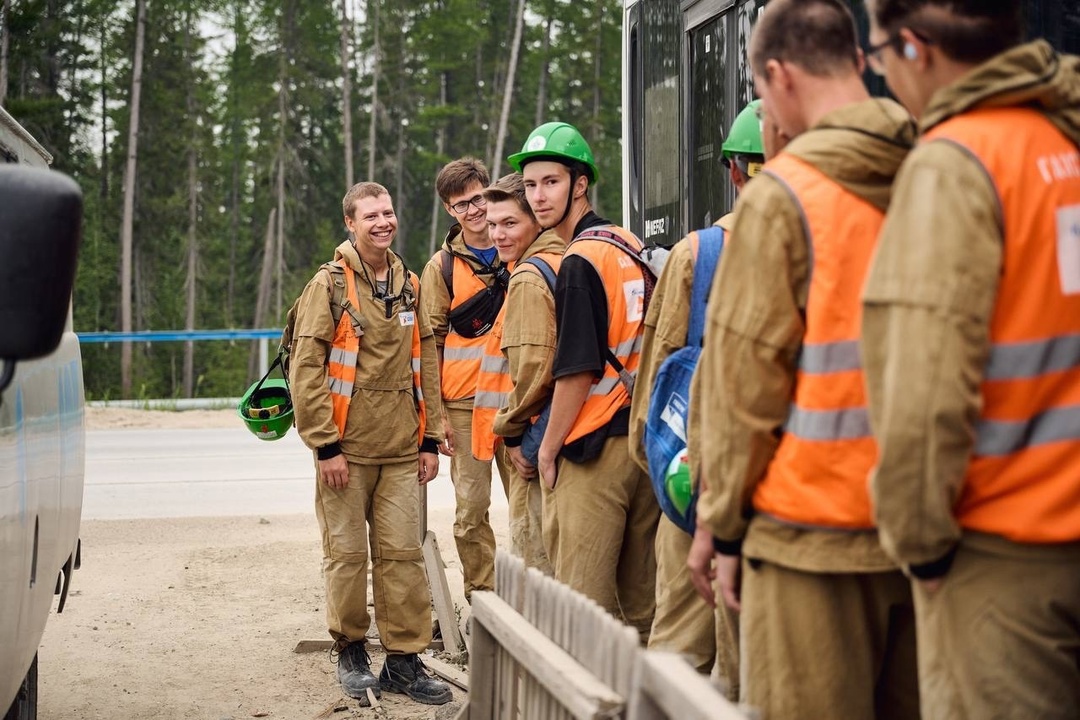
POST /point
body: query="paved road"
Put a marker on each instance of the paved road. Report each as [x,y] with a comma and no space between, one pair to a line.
[208,473]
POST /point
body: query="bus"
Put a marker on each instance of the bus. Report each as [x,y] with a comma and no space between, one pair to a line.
[685,78]
[42,433]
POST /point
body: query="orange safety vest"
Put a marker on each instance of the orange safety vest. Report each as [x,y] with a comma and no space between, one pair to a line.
[345,352]
[461,355]
[1023,481]
[819,474]
[624,286]
[494,384]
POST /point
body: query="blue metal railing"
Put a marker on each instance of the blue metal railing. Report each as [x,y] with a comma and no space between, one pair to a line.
[264,336]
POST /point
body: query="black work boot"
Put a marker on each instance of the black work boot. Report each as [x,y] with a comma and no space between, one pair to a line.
[405,674]
[354,673]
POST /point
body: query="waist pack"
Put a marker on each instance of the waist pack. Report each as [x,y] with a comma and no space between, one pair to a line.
[669,404]
[476,316]
[534,434]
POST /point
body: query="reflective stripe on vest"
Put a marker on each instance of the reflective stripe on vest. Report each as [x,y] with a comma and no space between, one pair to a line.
[818,476]
[1023,482]
[345,353]
[494,383]
[461,355]
[624,286]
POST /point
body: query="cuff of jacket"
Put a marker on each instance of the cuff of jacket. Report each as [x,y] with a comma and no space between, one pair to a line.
[429,445]
[936,568]
[727,547]
[513,441]
[329,451]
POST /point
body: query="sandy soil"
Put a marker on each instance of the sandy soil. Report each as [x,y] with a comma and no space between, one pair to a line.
[113,418]
[198,618]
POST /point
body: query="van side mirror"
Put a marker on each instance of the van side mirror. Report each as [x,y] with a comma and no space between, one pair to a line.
[40,232]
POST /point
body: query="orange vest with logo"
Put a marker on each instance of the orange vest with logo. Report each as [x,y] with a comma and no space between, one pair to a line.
[1023,481]
[345,351]
[624,286]
[819,474]
[461,355]
[494,384]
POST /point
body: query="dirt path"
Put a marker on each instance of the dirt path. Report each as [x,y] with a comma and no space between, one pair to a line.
[198,618]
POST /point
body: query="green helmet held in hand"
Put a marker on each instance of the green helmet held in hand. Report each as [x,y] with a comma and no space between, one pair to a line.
[267,409]
[745,135]
[556,141]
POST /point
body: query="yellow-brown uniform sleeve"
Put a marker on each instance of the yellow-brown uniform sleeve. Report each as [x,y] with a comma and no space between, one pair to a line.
[925,340]
[746,374]
[429,370]
[436,298]
[666,325]
[529,344]
[314,332]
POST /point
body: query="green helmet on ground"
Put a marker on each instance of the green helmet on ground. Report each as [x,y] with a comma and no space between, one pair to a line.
[267,409]
[745,135]
[556,141]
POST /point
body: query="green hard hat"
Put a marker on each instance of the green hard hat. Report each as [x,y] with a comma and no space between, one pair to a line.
[267,409]
[745,135]
[677,483]
[555,141]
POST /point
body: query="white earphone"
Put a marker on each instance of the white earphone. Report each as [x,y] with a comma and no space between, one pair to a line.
[910,52]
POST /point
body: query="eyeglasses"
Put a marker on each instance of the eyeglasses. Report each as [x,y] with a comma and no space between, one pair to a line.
[477,201]
[894,41]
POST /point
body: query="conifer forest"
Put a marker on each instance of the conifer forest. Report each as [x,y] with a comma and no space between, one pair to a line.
[214,140]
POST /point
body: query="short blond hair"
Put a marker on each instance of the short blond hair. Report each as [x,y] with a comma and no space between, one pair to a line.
[509,187]
[358,191]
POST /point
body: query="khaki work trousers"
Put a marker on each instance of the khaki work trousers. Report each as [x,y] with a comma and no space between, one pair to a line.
[380,504]
[827,645]
[600,532]
[1000,639]
[684,622]
[473,535]
[527,519]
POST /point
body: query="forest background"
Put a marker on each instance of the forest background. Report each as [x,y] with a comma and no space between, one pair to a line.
[214,140]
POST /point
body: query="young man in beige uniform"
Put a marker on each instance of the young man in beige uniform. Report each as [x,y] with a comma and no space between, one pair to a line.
[475,265]
[684,622]
[369,472]
[971,342]
[827,626]
[527,345]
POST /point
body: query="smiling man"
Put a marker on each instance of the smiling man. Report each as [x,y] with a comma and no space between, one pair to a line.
[515,374]
[464,287]
[365,386]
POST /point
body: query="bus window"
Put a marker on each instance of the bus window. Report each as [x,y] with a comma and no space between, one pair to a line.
[709,114]
[661,177]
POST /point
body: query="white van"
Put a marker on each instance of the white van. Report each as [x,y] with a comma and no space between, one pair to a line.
[42,434]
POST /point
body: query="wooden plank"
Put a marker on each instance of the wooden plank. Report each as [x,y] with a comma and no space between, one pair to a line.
[678,690]
[579,690]
[448,672]
[440,596]
[482,672]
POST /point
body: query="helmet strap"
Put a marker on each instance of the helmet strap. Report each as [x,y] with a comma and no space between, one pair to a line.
[569,197]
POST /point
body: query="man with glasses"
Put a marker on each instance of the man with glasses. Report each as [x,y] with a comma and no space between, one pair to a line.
[464,287]
[971,330]
[827,624]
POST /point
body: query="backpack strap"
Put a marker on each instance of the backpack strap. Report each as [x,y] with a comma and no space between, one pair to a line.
[545,269]
[447,265]
[710,243]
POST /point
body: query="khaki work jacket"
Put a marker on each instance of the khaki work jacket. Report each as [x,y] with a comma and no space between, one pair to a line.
[383,422]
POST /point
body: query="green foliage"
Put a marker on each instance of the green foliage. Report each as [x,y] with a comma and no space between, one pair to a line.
[214,72]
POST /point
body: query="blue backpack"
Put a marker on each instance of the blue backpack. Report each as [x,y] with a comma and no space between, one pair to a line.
[669,404]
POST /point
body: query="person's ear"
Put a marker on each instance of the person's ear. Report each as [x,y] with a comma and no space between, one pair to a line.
[581,187]
[914,48]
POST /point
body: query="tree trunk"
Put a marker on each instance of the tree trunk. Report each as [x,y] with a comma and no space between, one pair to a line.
[193,218]
[440,148]
[262,298]
[346,81]
[4,40]
[376,52]
[541,92]
[128,221]
[283,81]
[594,130]
[508,90]
[104,188]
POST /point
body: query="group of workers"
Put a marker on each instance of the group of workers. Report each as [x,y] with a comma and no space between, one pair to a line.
[883,426]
